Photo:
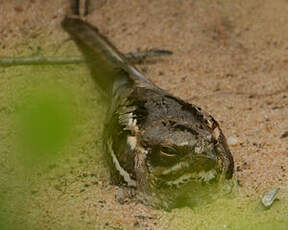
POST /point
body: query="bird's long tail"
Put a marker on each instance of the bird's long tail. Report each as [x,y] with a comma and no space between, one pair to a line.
[103,58]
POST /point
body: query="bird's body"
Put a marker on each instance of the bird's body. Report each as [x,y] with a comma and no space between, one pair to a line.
[158,144]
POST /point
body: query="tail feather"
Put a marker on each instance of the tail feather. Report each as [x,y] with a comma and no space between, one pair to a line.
[103,58]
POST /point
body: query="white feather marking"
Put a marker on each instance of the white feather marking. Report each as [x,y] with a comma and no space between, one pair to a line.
[121,171]
[132,142]
[132,123]
[216,133]
[175,167]
[209,123]
[207,176]
[198,149]
[202,176]
[184,143]
[180,180]
[130,119]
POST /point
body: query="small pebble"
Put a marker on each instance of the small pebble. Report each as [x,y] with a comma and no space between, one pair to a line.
[232,141]
[269,197]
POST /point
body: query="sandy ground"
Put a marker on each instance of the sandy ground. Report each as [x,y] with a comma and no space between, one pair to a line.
[230,58]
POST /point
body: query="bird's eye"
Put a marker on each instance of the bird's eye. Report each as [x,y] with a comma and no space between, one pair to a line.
[163,156]
[168,151]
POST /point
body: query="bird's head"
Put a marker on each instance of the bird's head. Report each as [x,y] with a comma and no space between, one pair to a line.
[183,161]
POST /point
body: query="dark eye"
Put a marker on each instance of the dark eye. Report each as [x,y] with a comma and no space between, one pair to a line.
[163,156]
[168,151]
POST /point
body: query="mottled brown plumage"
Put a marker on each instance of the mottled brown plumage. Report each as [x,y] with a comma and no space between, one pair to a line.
[165,148]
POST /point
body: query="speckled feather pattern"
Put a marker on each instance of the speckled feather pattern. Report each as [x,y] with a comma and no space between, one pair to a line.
[155,142]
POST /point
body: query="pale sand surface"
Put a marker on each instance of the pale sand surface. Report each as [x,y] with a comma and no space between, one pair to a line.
[230,58]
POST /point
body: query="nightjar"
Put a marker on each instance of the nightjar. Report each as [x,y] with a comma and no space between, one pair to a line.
[172,152]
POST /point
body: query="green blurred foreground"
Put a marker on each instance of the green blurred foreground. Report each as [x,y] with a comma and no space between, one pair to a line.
[48,117]
[45,123]
[51,124]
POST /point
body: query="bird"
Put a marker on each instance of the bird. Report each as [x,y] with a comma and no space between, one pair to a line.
[170,152]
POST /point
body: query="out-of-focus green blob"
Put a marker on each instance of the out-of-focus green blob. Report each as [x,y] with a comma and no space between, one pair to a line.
[3,215]
[45,124]
[1,222]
